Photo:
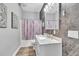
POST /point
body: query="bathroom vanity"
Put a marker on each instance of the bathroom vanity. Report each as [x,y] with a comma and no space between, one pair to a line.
[48,46]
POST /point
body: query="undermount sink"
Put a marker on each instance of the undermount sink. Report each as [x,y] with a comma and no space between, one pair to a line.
[46,40]
[41,37]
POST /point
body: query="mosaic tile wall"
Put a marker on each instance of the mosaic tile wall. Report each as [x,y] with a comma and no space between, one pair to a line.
[70,21]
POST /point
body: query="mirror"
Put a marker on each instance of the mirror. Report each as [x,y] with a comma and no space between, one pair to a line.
[51,20]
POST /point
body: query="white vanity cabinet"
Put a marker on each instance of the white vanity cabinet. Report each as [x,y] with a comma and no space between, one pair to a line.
[48,47]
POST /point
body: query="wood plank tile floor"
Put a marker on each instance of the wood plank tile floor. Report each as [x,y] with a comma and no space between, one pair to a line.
[26,51]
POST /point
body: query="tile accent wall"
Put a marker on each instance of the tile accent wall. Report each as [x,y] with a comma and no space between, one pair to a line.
[70,21]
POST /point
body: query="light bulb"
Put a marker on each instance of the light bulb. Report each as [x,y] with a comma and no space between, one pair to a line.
[44,9]
[63,13]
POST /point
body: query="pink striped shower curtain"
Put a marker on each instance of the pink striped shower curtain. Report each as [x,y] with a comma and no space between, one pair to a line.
[30,28]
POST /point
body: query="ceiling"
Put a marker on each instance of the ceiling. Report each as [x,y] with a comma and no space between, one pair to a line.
[31,7]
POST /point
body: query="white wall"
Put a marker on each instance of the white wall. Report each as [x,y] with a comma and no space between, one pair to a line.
[10,38]
[31,15]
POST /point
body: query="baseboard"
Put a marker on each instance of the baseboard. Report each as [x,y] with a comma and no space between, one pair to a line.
[14,54]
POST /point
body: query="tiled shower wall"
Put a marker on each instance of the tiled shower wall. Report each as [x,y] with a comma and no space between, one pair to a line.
[69,21]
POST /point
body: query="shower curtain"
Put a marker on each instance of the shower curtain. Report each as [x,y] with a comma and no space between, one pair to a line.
[30,28]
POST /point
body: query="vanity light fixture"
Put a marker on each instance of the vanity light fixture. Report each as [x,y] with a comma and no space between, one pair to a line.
[48,7]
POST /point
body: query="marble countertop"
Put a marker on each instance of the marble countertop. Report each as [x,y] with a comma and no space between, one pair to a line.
[48,40]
